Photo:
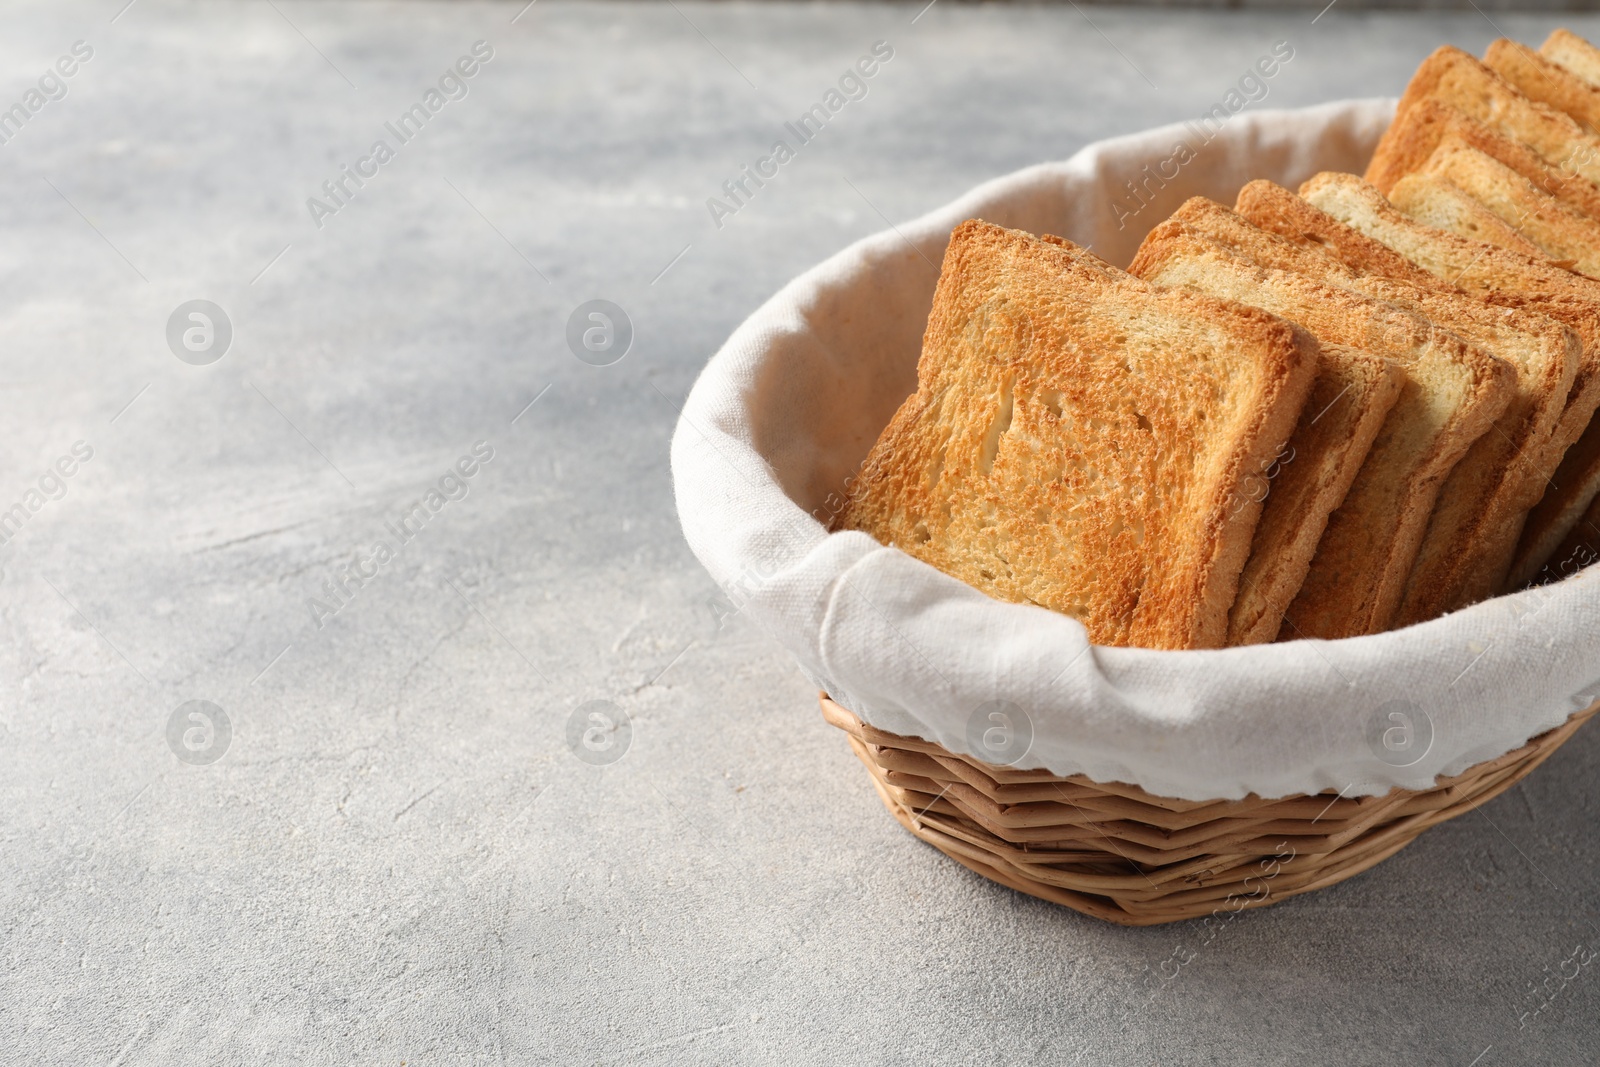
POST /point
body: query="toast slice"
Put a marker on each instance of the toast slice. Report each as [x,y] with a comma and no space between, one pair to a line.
[1452,77]
[1308,480]
[1572,463]
[1351,393]
[1080,440]
[1569,490]
[1451,394]
[1436,202]
[1469,265]
[1547,82]
[1354,392]
[1429,126]
[1299,490]
[1354,219]
[1473,530]
[1271,207]
[1554,229]
[1575,55]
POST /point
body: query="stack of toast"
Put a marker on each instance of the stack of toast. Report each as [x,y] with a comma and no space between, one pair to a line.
[1317,414]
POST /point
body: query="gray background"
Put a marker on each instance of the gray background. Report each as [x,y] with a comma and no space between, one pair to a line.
[398,858]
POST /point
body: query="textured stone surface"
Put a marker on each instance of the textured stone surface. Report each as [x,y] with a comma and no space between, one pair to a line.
[398,858]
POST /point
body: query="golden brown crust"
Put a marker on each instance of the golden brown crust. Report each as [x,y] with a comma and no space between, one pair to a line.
[1240,550]
[1451,395]
[1079,441]
[1548,83]
[1546,225]
[1473,530]
[1474,525]
[1354,391]
[1473,266]
[1430,125]
[1275,209]
[1453,77]
[1582,317]
[1411,138]
[1503,278]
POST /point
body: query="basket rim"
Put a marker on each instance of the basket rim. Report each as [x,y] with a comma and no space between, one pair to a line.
[1001,776]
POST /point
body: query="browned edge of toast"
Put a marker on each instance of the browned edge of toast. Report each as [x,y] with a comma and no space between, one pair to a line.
[1427,125]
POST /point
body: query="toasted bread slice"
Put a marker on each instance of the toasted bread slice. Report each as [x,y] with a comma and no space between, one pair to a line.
[1452,77]
[1273,208]
[1451,395]
[1474,526]
[1354,217]
[1429,126]
[1354,392]
[1574,54]
[1571,465]
[1472,533]
[1469,265]
[1547,82]
[1079,440]
[1436,202]
[1554,229]
[1309,478]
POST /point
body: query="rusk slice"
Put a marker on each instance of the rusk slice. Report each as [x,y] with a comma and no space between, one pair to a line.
[1429,126]
[1436,202]
[1452,77]
[1474,526]
[1451,394]
[1496,275]
[1472,533]
[1539,219]
[1572,464]
[1306,483]
[1307,479]
[1575,55]
[1538,78]
[1354,392]
[1271,207]
[1569,491]
[1081,441]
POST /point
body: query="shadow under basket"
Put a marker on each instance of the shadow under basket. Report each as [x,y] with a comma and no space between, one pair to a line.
[1120,854]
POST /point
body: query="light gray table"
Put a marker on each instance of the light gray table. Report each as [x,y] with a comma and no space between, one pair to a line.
[398,858]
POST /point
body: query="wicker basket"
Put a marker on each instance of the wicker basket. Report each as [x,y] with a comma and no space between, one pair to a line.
[1118,853]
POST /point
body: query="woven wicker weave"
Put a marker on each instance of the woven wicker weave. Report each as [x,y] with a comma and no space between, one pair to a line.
[1118,853]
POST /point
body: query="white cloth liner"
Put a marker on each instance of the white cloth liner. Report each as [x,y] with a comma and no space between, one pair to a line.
[790,406]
